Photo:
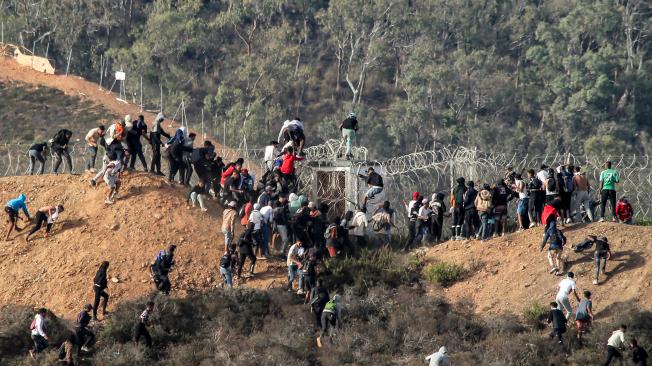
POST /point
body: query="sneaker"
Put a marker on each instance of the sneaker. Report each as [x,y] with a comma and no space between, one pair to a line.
[601,219]
[204,209]
[108,202]
[613,220]
[93,182]
[595,282]
[92,170]
[301,292]
[568,221]
[532,225]
[553,270]
[85,349]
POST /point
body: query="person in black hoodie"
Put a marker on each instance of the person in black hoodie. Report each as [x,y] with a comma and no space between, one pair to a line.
[471,224]
[156,142]
[135,147]
[60,150]
[318,299]
[100,284]
[175,154]
[558,320]
[37,152]
[457,204]
[500,196]
[245,247]
[161,269]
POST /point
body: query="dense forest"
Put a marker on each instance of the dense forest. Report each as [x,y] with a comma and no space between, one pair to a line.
[531,76]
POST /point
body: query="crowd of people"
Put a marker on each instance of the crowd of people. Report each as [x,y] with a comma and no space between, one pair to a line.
[258,213]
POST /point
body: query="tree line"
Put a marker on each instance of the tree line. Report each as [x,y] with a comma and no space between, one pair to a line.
[526,76]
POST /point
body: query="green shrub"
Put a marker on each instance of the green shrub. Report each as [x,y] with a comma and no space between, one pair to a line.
[443,273]
[534,314]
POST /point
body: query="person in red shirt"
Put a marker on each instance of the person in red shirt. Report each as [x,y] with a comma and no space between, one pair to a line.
[624,211]
[287,167]
[550,212]
[230,168]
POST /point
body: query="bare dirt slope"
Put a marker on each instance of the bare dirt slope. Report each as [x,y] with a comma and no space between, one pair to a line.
[509,273]
[149,214]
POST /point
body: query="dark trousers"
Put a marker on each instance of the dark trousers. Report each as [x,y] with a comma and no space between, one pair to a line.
[557,333]
[141,331]
[471,225]
[317,310]
[35,156]
[412,234]
[99,293]
[176,166]
[328,319]
[436,229]
[155,165]
[39,343]
[608,194]
[137,151]
[243,257]
[84,338]
[612,353]
[41,219]
[59,155]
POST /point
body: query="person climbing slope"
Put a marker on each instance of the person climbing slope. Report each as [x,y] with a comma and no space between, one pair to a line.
[100,283]
[12,209]
[36,153]
[47,215]
[60,150]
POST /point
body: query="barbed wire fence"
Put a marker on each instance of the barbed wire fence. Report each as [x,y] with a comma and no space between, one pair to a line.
[427,171]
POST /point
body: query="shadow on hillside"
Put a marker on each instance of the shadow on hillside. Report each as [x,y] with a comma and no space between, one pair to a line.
[71,224]
[627,260]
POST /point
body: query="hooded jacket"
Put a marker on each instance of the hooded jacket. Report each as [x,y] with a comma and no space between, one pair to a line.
[483,201]
[18,204]
[157,131]
[439,358]
[61,139]
[469,198]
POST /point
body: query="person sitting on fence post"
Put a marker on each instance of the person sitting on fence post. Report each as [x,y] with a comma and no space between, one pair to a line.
[12,209]
[349,128]
[293,134]
[37,153]
[608,180]
[47,215]
[375,183]
[624,211]
[60,150]
[94,138]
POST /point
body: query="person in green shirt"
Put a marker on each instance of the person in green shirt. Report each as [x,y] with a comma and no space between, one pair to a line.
[608,180]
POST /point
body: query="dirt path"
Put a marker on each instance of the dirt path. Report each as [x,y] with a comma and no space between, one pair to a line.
[509,273]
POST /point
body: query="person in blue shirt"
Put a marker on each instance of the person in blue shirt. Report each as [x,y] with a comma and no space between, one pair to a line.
[12,209]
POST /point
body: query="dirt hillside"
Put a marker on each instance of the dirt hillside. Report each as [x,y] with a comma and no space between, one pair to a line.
[509,273]
[149,214]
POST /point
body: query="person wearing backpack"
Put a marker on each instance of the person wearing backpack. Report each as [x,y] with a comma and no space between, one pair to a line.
[246,250]
[226,268]
[483,203]
[557,242]
[609,178]
[438,208]
[37,152]
[566,188]
[551,186]
[100,283]
[161,269]
[38,334]
[318,299]
[382,223]
[60,150]
[536,198]
[413,224]
[84,335]
[66,350]
[357,226]
[331,317]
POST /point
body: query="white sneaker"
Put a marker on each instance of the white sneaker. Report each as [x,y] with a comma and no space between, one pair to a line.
[601,219]
[204,209]
[85,349]
[595,282]
[553,270]
[532,225]
[108,202]
[301,292]
[568,221]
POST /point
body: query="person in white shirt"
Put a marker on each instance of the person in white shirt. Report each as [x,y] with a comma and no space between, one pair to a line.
[543,174]
[424,217]
[439,358]
[358,228]
[615,344]
[523,200]
[267,212]
[294,263]
[566,287]
[271,153]
[112,178]
[45,215]
[38,334]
